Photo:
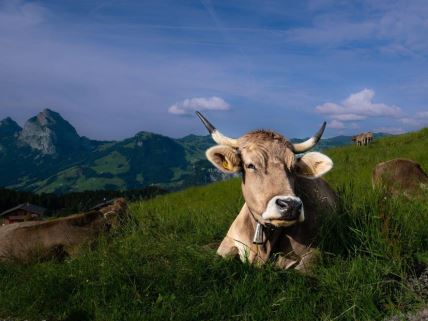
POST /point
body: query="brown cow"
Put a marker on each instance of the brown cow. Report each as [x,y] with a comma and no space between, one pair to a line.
[284,196]
[60,237]
[363,138]
[400,177]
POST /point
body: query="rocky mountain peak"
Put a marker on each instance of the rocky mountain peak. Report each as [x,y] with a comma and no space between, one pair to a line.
[8,127]
[47,117]
[49,133]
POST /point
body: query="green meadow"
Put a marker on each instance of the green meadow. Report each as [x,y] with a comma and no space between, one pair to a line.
[162,265]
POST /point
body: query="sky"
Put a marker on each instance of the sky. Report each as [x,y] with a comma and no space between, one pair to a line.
[114,68]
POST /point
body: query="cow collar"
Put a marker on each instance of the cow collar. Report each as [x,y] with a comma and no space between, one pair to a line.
[263,230]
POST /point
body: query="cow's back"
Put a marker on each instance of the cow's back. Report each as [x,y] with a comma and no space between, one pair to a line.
[399,175]
[22,241]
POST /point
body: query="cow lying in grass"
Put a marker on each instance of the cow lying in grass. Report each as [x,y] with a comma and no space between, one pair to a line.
[401,177]
[283,194]
[29,241]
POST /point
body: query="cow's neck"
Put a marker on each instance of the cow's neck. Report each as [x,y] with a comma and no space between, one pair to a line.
[243,230]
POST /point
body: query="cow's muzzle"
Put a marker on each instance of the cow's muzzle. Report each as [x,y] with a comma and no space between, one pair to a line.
[289,208]
[284,210]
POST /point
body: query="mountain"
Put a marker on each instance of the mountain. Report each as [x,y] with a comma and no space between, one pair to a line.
[8,128]
[48,155]
[50,134]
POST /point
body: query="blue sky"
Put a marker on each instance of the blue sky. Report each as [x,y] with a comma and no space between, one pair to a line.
[113,68]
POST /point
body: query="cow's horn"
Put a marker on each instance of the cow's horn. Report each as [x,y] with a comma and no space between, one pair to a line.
[218,137]
[311,142]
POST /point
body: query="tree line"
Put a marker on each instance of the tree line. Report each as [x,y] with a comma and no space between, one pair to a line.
[64,204]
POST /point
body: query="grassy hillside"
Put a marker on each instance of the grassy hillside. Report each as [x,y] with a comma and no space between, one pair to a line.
[159,267]
[355,164]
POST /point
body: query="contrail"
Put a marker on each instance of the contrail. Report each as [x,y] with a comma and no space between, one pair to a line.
[210,9]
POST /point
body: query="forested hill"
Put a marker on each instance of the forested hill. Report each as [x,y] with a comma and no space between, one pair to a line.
[65,204]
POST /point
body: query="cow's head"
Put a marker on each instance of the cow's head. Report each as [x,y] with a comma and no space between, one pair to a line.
[269,166]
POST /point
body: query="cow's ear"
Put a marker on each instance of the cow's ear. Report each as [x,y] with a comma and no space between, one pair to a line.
[313,165]
[225,158]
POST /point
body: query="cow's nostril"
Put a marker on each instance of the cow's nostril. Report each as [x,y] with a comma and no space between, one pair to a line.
[289,208]
[282,204]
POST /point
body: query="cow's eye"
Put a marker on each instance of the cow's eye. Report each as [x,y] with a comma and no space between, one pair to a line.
[250,166]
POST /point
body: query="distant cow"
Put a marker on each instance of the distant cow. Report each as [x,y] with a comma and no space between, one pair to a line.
[284,196]
[368,138]
[363,138]
[355,139]
[400,177]
[60,237]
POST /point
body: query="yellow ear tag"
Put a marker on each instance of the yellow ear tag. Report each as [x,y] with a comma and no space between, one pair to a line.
[226,165]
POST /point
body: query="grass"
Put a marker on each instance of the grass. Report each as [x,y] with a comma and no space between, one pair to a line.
[114,163]
[355,164]
[157,266]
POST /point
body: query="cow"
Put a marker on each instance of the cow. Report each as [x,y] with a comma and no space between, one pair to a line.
[284,196]
[400,177]
[57,238]
[357,139]
[363,138]
[368,137]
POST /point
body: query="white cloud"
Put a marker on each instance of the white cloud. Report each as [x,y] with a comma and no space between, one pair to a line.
[332,32]
[190,105]
[358,106]
[18,15]
[410,121]
[349,117]
[335,124]
[419,120]
[400,26]
[423,114]
[389,130]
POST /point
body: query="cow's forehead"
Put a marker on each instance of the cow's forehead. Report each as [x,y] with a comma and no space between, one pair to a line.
[265,145]
[265,139]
